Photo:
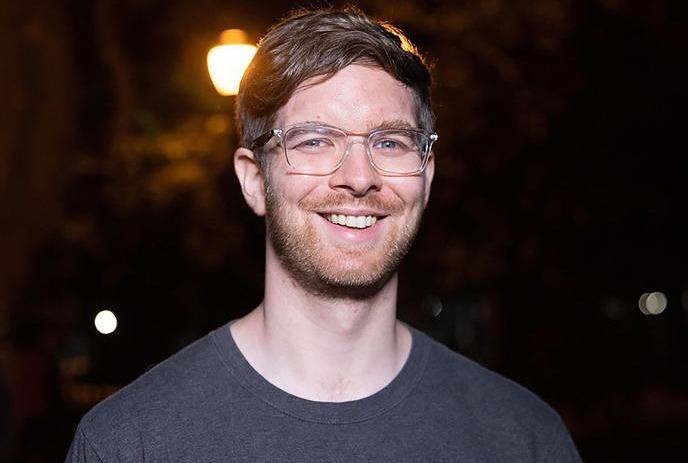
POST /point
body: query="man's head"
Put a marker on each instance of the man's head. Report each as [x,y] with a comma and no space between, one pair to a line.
[341,232]
[319,43]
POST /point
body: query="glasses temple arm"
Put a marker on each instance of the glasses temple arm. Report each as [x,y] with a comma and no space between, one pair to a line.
[262,140]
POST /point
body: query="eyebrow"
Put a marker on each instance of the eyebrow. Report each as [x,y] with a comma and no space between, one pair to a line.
[394,124]
[384,125]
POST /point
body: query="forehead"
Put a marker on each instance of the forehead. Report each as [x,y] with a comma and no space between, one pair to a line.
[357,98]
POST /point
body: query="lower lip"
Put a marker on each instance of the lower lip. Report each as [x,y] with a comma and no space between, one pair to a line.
[352,235]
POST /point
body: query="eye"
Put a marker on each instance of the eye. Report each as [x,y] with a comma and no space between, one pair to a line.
[314,143]
[312,139]
[387,145]
[392,143]
[311,144]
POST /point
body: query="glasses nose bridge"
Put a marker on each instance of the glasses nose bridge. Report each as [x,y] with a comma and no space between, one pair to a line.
[356,138]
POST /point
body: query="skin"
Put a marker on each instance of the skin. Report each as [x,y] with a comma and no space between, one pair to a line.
[327,329]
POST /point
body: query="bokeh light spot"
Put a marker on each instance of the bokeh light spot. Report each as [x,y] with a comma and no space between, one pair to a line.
[652,303]
[106,322]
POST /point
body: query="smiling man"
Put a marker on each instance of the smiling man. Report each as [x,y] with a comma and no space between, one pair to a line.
[337,138]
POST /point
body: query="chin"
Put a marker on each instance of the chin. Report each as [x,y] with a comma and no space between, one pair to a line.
[337,274]
[346,285]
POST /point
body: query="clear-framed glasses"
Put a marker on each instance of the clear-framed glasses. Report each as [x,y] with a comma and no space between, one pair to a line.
[321,149]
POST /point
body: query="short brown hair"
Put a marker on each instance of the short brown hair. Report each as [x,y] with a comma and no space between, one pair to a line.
[310,43]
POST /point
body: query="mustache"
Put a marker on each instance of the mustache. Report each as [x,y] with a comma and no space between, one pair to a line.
[333,200]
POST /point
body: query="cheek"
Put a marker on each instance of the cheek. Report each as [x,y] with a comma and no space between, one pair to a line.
[410,190]
[290,190]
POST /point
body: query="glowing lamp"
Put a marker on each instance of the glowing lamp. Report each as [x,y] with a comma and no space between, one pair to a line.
[228,61]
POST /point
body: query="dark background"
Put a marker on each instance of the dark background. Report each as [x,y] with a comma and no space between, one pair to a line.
[556,203]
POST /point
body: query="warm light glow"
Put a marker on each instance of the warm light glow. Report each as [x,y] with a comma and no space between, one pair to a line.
[652,303]
[228,61]
[106,322]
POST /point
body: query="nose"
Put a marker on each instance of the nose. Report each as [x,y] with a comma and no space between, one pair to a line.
[356,174]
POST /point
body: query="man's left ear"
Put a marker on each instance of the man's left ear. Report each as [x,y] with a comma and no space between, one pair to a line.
[429,173]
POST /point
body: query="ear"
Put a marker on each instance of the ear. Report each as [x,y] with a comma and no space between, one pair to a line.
[251,179]
[429,173]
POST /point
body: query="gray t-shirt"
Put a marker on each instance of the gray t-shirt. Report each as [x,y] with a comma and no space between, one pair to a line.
[207,404]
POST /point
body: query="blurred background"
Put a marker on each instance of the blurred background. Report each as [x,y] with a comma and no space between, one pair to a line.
[556,205]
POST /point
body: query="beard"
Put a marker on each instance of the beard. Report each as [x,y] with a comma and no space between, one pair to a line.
[330,271]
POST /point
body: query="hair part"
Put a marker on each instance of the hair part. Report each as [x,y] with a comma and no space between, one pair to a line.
[311,43]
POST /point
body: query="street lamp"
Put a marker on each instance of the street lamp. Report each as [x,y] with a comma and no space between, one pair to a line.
[228,61]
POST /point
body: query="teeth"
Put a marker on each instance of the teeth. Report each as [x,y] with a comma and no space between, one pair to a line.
[353,221]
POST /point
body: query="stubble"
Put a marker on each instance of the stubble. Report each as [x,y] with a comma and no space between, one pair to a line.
[336,273]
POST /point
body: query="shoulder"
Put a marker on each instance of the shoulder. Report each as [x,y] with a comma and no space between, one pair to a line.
[183,375]
[162,398]
[499,408]
[453,373]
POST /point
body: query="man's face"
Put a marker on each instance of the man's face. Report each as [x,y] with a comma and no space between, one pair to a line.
[381,214]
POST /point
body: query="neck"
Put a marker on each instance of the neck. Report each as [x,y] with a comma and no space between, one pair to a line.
[321,348]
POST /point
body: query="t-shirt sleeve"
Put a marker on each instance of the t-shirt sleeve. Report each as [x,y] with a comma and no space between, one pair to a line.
[81,450]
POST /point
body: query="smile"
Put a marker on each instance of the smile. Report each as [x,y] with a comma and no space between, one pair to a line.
[352,221]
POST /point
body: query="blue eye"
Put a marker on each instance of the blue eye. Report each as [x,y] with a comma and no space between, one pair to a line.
[388,144]
[311,145]
[391,145]
[313,142]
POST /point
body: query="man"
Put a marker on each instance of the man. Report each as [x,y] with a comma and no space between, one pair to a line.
[337,142]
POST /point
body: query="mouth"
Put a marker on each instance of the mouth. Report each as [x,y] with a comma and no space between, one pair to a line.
[352,221]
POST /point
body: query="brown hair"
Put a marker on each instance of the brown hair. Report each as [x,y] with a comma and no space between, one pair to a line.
[310,43]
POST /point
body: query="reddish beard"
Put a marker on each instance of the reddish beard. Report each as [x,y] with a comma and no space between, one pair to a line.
[323,272]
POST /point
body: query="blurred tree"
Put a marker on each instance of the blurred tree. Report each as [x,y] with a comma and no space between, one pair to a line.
[37,132]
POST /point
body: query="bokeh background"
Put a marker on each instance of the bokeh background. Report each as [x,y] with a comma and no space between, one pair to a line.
[557,202]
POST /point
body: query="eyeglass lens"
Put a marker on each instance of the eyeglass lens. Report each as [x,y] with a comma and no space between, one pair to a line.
[318,149]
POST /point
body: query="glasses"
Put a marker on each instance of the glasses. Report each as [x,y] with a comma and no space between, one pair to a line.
[321,149]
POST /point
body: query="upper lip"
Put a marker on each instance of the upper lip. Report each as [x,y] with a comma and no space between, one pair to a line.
[354,211]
